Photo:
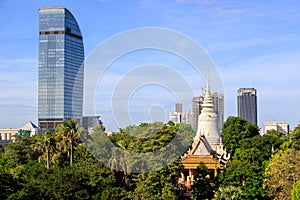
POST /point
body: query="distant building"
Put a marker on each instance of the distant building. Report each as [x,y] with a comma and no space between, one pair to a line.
[178,116]
[282,127]
[30,127]
[186,117]
[196,110]
[247,104]
[218,102]
[9,134]
[178,107]
[61,57]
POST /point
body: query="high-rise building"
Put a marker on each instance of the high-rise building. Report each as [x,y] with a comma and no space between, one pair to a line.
[178,107]
[61,57]
[218,102]
[196,110]
[247,104]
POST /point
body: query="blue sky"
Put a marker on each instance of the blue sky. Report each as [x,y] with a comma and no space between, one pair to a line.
[252,43]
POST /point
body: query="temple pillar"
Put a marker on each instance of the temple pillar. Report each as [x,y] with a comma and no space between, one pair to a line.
[215,170]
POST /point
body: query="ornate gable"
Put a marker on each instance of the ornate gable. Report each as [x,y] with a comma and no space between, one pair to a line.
[201,151]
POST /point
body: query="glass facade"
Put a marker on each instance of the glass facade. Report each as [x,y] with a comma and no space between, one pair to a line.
[247,104]
[61,58]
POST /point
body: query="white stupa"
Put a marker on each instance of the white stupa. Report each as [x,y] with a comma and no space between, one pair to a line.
[208,121]
[207,147]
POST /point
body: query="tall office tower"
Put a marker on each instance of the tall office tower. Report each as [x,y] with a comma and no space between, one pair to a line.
[247,104]
[218,101]
[61,57]
[196,110]
[178,107]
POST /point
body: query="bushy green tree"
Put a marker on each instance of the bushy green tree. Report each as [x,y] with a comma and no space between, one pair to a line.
[246,176]
[202,188]
[281,173]
[20,152]
[295,138]
[251,153]
[160,184]
[235,131]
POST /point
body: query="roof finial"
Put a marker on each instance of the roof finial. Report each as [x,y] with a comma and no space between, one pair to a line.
[208,82]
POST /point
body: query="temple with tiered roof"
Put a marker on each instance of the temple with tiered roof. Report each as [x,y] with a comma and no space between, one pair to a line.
[207,147]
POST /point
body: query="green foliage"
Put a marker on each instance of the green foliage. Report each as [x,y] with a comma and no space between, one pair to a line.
[229,193]
[40,167]
[251,154]
[67,136]
[142,148]
[45,145]
[7,183]
[295,138]
[281,173]
[246,176]
[259,149]
[296,191]
[270,143]
[235,131]
[19,152]
[115,193]
[202,188]
[160,184]
[144,138]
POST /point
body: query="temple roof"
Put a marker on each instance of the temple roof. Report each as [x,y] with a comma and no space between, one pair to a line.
[29,126]
[193,162]
[201,151]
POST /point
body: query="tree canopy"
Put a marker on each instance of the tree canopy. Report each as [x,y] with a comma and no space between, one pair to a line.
[58,165]
[235,131]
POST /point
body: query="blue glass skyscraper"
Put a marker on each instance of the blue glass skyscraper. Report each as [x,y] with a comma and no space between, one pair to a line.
[61,57]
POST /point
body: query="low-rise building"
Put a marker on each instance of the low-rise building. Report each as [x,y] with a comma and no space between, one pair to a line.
[8,134]
[282,127]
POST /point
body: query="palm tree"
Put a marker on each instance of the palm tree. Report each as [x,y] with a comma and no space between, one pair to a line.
[67,133]
[45,144]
